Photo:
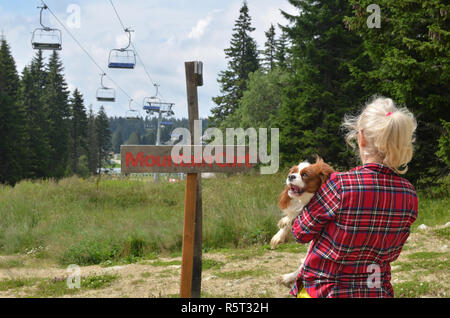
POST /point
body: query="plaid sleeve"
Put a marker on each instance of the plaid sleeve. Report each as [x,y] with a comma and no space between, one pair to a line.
[321,209]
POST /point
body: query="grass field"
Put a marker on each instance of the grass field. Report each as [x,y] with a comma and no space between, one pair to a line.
[122,221]
[76,221]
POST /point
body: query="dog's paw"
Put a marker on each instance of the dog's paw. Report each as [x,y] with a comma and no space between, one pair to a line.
[287,279]
[274,242]
[284,222]
[277,239]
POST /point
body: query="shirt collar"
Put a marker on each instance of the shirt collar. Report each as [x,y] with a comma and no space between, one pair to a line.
[376,167]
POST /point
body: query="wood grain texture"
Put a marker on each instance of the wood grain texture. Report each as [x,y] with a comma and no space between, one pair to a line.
[158,159]
[187,263]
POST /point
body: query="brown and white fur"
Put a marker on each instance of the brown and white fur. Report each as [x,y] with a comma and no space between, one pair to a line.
[302,183]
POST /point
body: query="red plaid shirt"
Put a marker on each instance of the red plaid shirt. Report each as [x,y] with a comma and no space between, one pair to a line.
[357,220]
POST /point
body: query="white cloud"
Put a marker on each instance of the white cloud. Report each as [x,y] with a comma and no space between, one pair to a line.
[198,31]
[167,33]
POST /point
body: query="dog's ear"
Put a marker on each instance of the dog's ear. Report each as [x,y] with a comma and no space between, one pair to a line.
[284,200]
[325,171]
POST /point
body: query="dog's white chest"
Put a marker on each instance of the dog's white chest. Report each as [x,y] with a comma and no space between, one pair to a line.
[297,204]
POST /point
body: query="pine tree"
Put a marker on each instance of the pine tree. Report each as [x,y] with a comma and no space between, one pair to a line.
[117,141]
[321,89]
[134,139]
[103,138]
[56,98]
[410,63]
[9,78]
[282,56]
[11,119]
[269,54]
[78,125]
[92,153]
[242,59]
[32,88]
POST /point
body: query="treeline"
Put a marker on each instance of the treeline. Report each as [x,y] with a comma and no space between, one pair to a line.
[45,131]
[143,131]
[328,61]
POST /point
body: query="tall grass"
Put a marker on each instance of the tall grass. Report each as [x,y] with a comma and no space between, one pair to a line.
[76,221]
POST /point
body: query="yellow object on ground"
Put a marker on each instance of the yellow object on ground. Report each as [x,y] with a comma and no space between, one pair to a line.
[303,294]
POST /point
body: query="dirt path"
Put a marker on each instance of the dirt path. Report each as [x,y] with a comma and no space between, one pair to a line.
[421,271]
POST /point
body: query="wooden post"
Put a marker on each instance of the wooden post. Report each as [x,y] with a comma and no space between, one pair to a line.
[143,159]
[188,235]
[197,269]
[191,267]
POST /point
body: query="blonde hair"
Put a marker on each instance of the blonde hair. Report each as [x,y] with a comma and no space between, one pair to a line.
[387,130]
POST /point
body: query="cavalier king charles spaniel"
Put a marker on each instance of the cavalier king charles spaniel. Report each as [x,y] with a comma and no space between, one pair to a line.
[302,183]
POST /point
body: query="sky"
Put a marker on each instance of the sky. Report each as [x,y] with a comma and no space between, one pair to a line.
[167,34]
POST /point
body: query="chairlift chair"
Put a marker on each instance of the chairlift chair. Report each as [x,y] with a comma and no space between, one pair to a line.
[152,109]
[151,105]
[123,58]
[46,38]
[166,123]
[147,126]
[169,111]
[132,114]
[105,94]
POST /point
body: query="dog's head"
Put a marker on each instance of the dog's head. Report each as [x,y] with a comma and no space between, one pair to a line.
[304,177]
[295,181]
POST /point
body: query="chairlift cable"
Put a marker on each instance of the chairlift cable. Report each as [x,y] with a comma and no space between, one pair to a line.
[134,47]
[86,52]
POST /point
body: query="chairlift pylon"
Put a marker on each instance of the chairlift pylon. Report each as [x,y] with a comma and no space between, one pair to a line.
[123,58]
[105,94]
[46,38]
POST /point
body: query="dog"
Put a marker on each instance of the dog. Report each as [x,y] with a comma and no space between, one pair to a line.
[302,183]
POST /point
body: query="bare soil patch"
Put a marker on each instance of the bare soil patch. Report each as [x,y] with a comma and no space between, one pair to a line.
[253,272]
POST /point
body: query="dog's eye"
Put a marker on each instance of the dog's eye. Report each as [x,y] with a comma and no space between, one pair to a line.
[304,175]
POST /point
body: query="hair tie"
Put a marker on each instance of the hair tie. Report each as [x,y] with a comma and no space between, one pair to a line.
[388,114]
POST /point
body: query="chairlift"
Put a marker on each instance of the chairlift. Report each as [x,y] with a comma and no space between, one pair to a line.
[148,127]
[132,114]
[46,38]
[147,124]
[105,94]
[166,123]
[151,105]
[123,58]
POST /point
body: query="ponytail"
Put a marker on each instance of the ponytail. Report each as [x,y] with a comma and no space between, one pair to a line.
[388,131]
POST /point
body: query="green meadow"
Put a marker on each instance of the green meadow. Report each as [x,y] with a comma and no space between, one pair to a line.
[77,221]
[84,222]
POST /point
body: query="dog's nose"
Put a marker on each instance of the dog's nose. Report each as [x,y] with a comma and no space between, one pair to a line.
[292,177]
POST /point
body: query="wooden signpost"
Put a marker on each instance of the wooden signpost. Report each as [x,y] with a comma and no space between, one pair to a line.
[160,159]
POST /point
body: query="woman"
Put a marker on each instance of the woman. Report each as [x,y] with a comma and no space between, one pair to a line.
[359,220]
